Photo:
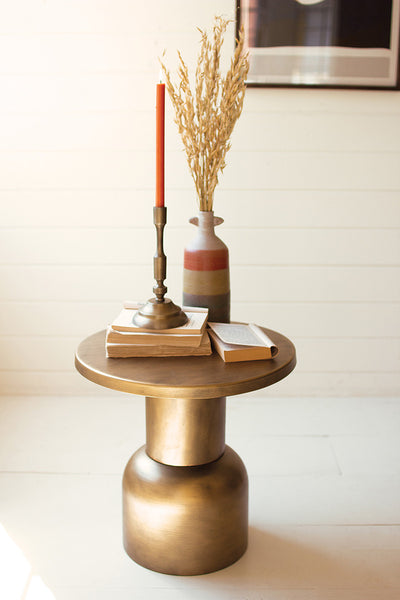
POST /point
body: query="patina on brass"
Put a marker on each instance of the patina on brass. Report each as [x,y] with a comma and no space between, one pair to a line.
[185,494]
[185,520]
[160,312]
[189,516]
[199,377]
[184,432]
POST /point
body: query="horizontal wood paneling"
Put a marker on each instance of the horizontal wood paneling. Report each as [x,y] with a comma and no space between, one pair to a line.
[306,319]
[268,284]
[240,208]
[49,54]
[117,130]
[56,318]
[310,198]
[324,319]
[264,170]
[33,383]
[278,246]
[320,170]
[302,101]
[317,131]
[74,91]
[120,91]
[319,283]
[74,53]
[336,384]
[118,16]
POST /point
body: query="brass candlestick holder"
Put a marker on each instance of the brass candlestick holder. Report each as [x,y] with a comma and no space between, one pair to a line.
[159,312]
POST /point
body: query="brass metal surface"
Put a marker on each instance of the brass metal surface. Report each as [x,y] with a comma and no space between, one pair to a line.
[160,260]
[183,377]
[185,432]
[185,520]
[160,312]
[157,314]
[192,518]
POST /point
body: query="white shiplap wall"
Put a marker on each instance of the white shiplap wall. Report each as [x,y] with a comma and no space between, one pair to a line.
[310,199]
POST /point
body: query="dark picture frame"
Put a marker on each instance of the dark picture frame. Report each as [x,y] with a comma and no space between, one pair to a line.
[322,43]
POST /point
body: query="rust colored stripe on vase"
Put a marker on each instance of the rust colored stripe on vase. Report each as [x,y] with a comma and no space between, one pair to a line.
[206,260]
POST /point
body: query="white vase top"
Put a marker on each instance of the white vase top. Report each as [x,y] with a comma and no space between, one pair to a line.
[206,219]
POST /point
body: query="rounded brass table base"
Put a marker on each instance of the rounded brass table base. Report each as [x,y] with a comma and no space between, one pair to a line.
[185,494]
[185,520]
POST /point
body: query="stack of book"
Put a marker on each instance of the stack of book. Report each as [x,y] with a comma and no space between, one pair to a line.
[125,340]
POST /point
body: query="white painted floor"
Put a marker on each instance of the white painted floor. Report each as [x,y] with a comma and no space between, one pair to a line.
[324,500]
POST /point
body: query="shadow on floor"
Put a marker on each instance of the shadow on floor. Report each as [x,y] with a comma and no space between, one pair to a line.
[276,562]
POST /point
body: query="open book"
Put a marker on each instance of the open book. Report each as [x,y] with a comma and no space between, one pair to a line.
[237,342]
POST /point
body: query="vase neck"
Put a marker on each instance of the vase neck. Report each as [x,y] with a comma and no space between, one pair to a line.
[206,219]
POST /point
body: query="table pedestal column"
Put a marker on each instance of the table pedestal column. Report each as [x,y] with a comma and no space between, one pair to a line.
[185,494]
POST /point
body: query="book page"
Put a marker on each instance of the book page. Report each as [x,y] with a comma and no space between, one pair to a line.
[239,334]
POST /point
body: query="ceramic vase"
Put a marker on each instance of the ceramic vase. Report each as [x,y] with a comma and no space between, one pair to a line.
[206,269]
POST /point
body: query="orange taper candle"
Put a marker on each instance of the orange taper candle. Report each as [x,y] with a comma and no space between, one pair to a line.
[160,128]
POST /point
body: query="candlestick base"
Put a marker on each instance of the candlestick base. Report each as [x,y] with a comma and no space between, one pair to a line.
[159,315]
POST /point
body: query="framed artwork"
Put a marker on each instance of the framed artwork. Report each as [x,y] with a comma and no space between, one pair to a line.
[322,43]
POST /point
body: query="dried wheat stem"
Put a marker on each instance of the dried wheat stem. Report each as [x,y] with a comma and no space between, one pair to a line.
[207,116]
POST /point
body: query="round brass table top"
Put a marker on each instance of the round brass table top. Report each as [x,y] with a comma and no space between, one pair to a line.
[182,377]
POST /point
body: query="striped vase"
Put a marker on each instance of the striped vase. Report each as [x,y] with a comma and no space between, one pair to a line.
[206,269]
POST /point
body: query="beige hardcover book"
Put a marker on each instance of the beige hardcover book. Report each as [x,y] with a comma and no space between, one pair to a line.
[132,350]
[195,325]
[236,342]
[152,339]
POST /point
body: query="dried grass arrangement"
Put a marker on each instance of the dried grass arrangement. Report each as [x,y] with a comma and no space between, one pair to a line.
[207,116]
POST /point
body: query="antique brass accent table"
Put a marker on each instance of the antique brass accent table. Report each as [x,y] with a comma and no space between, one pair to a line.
[185,493]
